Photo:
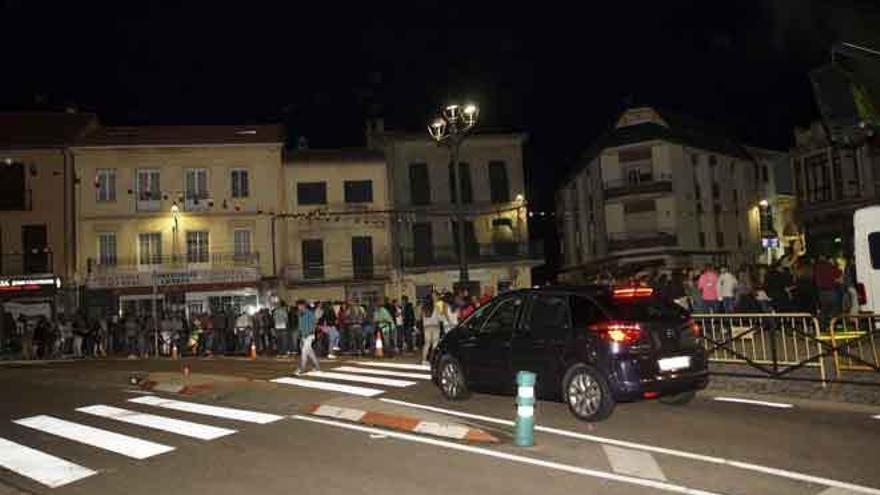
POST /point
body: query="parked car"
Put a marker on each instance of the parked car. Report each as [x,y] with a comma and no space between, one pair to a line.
[866,227]
[591,347]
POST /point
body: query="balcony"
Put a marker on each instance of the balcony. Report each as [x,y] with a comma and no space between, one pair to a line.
[38,261]
[643,184]
[172,270]
[625,241]
[340,272]
[477,253]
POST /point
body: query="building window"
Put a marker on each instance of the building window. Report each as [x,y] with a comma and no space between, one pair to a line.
[735,196]
[107,248]
[149,192]
[196,187]
[106,182]
[719,238]
[13,193]
[818,185]
[362,257]
[311,193]
[699,208]
[702,239]
[765,174]
[419,184]
[713,161]
[472,250]
[241,243]
[695,160]
[423,244]
[739,240]
[240,184]
[197,246]
[313,258]
[499,185]
[358,191]
[716,191]
[467,189]
[150,248]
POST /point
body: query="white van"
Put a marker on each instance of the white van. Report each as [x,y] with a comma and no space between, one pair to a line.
[866,225]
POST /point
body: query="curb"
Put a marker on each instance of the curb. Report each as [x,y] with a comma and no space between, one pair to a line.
[403,423]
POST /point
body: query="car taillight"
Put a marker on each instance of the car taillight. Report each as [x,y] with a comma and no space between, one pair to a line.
[863,295]
[695,328]
[632,292]
[618,332]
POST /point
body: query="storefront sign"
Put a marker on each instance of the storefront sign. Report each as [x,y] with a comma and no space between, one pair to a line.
[28,284]
[113,280]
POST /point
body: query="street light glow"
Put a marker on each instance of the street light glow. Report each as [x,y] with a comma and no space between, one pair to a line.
[763,203]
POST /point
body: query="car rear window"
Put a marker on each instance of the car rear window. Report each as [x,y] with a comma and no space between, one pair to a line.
[643,308]
[874,248]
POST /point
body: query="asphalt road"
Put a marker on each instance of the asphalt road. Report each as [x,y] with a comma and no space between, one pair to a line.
[271,445]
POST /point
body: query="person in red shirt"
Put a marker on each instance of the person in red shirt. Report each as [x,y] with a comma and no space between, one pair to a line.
[827,277]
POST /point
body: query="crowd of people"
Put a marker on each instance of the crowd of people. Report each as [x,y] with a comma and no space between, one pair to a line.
[820,286]
[307,328]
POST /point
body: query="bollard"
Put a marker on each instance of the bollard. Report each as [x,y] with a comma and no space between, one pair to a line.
[525,409]
[253,354]
[379,345]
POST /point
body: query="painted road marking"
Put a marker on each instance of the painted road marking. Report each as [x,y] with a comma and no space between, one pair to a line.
[402,366]
[102,439]
[41,467]
[836,491]
[216,411]
[373,380]
[782,473]
[633,462]
[778,405]
[876,417]
[660,485]
[180,427]
[336,387]
[345,413]
[367,371]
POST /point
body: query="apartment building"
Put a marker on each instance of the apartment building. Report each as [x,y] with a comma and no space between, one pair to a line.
[494,208]
[36,224]
[179,215]
[660,191]
[337,224]
[831,181]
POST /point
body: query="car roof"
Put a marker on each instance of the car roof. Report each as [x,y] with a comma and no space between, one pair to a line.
[589,289]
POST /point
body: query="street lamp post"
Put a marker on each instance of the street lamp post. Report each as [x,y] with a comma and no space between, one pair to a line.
[450,129]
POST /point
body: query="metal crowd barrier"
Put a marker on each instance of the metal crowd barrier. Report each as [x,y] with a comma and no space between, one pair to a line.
[777,345]
[855,340]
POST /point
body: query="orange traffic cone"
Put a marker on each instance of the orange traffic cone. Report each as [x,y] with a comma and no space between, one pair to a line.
[253,351]
[379,345]
[174,352]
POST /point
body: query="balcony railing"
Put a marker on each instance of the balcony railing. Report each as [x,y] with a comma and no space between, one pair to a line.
[341,272]
[624,241]
[38,261]
[175,262]
[657,183]
[476,253]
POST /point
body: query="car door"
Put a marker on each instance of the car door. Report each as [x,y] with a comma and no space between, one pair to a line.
[539,341]
[467,340]
[492,352]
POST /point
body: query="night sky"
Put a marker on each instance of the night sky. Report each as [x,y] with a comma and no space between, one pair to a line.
[560,74]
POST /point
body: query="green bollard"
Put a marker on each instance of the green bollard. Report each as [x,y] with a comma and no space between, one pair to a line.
[525,409]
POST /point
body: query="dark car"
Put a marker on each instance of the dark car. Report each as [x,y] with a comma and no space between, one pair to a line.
[590,346]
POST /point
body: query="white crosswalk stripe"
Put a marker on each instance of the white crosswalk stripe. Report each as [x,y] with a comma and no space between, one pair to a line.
[399,374]
[350,377]
[102,439]
[41,467]
[402,366]
[336,387]
[204,409]
[178,426]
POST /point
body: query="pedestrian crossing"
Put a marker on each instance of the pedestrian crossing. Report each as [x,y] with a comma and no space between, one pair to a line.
[53,471]
[376,374]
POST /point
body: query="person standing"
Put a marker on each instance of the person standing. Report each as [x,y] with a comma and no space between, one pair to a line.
[727,284]
[282,330]
[306,325]
[708,285]
[355,318]
[328,326]
[384,323]
[827,277]
[432,319]
[409,323]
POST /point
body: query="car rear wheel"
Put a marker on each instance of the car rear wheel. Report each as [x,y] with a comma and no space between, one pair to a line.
[587,393]
[678,399]
[451,378]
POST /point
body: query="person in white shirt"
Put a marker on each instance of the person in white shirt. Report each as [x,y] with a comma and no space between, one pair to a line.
[727,284]
[432,319]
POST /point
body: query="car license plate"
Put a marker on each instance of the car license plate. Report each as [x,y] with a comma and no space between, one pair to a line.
[674,363]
